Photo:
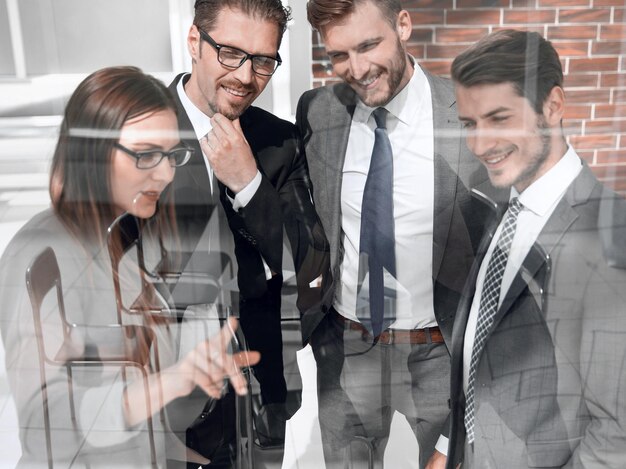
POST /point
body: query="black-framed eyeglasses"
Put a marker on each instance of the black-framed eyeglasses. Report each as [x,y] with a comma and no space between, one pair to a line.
[147,159]
[231,57]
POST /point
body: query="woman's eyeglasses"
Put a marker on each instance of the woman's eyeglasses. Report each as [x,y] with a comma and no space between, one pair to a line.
[147,159]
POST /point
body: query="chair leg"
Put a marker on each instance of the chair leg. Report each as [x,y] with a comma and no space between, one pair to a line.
[243,414]
[157,369]
[149,419]
[243,410]
[146,388]
[70,389]
[46,417]
[370,450]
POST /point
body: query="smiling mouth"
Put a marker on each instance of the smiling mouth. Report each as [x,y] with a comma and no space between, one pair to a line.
[368,82]
[235,92]
[493,160]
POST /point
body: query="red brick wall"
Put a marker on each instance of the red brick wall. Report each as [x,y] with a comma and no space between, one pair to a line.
[590,36]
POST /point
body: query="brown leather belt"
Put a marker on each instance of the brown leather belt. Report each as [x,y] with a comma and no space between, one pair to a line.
[394,336]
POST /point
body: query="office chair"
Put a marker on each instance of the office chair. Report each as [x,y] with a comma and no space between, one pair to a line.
[200,283]
[83,345]
[183,295]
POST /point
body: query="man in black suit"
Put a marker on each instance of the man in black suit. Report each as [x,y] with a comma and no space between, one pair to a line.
[248,160]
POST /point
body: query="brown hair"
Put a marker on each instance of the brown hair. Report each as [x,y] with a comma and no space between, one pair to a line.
[80,186]
[207,11]
[322,12]
[524,59]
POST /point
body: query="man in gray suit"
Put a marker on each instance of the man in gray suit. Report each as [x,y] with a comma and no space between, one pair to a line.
[379,337]
[539,342]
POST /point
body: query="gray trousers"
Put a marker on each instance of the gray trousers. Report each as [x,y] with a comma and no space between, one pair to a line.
[360,386]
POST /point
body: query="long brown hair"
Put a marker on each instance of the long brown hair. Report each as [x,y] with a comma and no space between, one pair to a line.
[80,186]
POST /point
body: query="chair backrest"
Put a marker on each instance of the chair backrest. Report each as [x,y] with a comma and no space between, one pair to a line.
[42,275]
[118,346]
[125,229]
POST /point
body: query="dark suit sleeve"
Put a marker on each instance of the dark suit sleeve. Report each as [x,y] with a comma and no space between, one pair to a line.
[309,247]
[260,224]
[282,201]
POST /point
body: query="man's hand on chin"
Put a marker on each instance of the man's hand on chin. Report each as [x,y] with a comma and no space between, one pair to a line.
[229,154]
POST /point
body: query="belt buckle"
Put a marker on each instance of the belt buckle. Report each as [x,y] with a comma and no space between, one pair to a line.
[392,337]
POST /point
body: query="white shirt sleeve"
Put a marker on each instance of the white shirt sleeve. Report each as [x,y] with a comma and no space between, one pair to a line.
[442,445]
[243,197]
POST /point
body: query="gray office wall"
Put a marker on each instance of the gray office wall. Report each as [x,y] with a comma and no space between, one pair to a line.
[7,66]
[79,36]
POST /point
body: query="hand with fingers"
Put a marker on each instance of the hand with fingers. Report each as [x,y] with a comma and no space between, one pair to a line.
[229,154]
[209,364]
[206,366]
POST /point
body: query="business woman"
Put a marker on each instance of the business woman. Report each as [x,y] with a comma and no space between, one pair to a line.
[118,150]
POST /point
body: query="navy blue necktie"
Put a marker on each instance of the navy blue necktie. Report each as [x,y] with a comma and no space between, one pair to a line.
[377,244]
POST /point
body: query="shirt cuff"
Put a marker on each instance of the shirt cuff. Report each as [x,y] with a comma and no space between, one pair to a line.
[442,445]
[244,196]
[267,270]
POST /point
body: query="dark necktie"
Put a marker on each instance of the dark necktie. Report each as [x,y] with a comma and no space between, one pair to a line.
[377,244]
[489,301]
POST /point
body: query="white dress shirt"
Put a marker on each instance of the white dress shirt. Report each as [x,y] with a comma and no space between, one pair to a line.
[410,130]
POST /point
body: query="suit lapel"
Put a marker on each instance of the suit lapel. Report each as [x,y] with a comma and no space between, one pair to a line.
[193,175]
[339,121]
[460,321]
[446,164]
[559,223]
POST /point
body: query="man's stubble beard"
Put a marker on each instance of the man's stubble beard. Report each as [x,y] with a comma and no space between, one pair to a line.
[395,75]
[530,173]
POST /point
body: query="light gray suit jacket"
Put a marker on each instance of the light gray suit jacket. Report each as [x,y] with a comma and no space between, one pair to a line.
[324,117]
[101,437]
[551,380]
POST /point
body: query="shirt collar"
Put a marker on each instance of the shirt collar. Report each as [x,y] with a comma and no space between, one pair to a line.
[199,120]
[546,191]
[406,104]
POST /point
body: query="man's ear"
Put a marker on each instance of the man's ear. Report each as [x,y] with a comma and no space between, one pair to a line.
[403,25]
[554,106]
[193,43]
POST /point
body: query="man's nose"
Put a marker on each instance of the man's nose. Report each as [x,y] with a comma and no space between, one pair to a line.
[244,73]
[359,67]
[482,140]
